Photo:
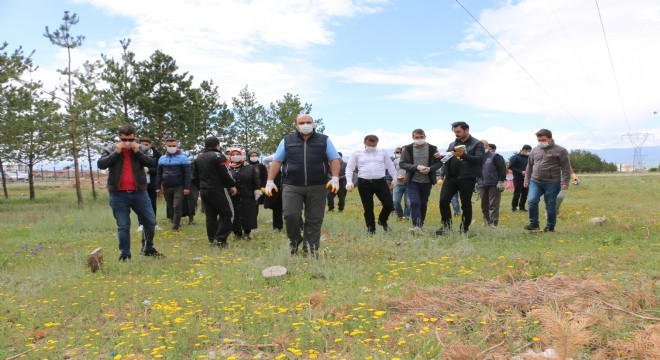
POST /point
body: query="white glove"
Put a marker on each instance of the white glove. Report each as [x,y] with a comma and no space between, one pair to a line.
[333,184]
[425,171]
[501,186]
[270,187]
[349,186]
[257,194]
[420,167]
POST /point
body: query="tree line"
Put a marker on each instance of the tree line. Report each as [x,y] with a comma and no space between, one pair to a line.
[73,121]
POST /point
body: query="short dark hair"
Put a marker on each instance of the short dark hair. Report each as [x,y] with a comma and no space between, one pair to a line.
[526,147]
[171,140]
[462,124]
[145,139]
[340,154]
[126,130]
[418,131]
[492,146]
[211,142]
[544,132]
[371,137]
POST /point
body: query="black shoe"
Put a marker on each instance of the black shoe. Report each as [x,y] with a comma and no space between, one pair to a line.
[223,244]
[549,229]
[532,227]
[331,210]
[384,225]
[153,252]
[176,229]
[523,209]
[124,257]
[371,230]
[441,231]
[514,209]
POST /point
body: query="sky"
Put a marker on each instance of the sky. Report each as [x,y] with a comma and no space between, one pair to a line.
[386,67]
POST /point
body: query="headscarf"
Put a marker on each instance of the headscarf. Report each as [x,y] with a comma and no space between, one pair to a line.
[233,152]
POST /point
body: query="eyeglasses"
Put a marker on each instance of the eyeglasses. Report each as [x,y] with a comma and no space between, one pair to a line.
[127,140]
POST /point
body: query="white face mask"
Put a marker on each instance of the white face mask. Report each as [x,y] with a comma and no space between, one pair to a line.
[544,144]
[396,156]
[420,142]
[486,151]
[370,148]
[236,158]
[254,159]
[306,128]
[171,150]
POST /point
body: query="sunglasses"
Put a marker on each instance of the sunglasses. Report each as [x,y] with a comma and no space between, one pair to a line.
[128,140]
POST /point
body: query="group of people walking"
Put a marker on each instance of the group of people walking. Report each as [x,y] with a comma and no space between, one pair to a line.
[307,172]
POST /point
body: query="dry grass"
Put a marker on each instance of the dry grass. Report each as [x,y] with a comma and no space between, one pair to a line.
[566,309]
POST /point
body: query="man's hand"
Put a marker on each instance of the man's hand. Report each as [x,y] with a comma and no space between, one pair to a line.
[186,192]
[257,194]
[524,173]
[349,186]
[233,191]
[526,184]
[135,147]
[270,187]
[564,187]
[420,168]
[425,171]
[438,155]
[158,190]
[501,186]
[119,146]
[333,184]
[392,185]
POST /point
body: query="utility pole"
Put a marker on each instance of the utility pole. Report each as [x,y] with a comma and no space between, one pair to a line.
[637,140]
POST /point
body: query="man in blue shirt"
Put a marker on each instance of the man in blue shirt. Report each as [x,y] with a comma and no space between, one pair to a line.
[305,158]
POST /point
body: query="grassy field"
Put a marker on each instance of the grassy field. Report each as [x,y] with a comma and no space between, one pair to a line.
[587,291]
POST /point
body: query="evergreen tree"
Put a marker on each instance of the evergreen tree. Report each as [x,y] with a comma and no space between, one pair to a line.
[247,128]
[62,37]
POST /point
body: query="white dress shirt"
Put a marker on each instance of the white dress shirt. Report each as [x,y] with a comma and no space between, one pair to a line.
[371,165]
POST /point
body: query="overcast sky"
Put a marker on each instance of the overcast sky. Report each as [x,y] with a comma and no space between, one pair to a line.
[389,66]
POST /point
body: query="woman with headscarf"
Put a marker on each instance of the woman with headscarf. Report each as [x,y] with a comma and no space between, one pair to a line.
[249,191]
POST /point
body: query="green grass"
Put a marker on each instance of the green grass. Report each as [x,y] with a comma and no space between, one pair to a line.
[201,302]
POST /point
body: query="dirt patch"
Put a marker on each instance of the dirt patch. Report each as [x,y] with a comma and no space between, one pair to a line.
[570,315]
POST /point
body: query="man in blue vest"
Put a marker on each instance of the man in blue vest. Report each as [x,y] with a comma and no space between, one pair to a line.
[305,157]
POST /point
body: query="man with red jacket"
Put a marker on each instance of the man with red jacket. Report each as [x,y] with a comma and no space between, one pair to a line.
[127,185]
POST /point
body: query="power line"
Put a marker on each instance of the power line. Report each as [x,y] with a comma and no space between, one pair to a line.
[616,80]
[524,69]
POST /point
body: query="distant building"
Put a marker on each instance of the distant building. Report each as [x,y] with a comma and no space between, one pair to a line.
[625,167]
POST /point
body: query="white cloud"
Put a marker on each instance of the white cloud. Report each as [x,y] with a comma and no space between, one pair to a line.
[575,69]
[226,40]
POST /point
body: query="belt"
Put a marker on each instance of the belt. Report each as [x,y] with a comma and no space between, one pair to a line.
[127,191]
[371,180]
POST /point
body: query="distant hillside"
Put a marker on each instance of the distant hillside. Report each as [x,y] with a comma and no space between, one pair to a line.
[651,155]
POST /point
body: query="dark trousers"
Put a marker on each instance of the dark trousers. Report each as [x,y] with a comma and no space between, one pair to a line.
[465,188]
[519,194]
[418,194]
[341,194]
[219,213]
[367,189]
[278,219]
[174,199]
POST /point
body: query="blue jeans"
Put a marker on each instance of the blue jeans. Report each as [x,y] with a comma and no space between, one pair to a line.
[121,203]
[419,197]
[401,192]
[549,192]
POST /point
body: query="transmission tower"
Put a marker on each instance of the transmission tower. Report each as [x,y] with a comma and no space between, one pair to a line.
[637,140]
